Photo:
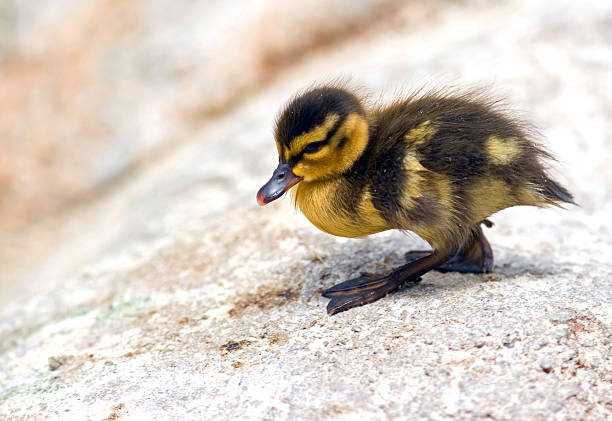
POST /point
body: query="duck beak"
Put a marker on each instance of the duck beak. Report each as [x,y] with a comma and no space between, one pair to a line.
[282,180]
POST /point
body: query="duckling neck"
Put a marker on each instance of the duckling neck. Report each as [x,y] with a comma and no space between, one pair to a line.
[339,206]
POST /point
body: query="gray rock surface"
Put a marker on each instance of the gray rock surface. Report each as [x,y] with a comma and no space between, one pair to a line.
[174,296]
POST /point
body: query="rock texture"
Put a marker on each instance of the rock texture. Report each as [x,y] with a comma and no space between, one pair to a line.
[171,295]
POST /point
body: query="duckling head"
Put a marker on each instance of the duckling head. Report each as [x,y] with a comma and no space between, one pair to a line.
[319,135]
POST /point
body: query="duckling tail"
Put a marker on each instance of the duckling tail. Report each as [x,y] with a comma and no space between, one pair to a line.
[556,192]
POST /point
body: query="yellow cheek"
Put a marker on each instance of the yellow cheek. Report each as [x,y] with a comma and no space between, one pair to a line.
[331,160]
[312,170]
[300,169]
[316,164]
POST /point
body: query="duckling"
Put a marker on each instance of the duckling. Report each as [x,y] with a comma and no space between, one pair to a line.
[437,164]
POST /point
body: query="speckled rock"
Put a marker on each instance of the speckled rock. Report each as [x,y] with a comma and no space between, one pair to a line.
[174,296]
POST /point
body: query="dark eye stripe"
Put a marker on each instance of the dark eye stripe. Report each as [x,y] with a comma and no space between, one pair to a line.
[295,159]
[314,146]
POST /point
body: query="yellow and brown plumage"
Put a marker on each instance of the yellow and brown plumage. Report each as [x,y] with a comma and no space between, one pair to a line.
[437,164]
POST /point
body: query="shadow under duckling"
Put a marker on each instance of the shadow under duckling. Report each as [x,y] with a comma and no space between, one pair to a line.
[437,164]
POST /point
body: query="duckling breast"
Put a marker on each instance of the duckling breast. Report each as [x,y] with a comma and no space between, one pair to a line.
[340,206]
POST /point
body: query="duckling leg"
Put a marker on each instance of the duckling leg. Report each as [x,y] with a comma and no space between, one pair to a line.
[366,289]
[476,257]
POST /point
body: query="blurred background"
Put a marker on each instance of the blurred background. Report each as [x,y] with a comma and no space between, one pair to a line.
[112,111]
[93,89]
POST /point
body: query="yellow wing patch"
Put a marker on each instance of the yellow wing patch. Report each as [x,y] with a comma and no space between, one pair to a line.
[420,134]
[413,181]
[411,162]
[415,177]
[444,192]
[502,151]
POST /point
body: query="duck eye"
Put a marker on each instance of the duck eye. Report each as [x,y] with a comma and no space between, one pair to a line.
[314,146]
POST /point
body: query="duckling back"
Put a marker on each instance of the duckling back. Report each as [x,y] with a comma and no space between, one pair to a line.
[442,164]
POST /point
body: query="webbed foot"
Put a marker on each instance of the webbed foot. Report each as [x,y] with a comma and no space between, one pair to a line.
[367,288]
[361,290]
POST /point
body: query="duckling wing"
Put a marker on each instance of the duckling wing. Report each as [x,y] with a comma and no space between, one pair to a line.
[444,164]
